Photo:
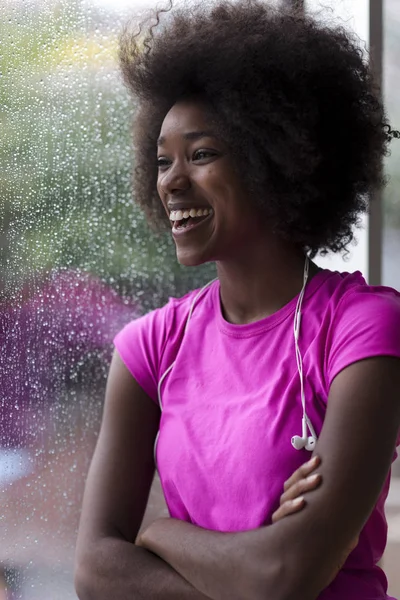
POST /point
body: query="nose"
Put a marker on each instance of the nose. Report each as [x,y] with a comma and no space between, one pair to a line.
[174,181]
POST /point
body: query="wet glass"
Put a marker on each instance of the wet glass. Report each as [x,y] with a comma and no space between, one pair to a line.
[391,236]
[391,198]
[78,261]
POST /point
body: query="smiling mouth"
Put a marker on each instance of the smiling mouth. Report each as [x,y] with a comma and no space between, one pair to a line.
[187,219]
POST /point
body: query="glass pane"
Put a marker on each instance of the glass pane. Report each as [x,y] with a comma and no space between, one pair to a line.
[391,72]
[354,15]
[77,262]
[391,243]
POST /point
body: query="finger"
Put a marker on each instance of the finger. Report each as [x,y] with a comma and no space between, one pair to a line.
[300,487]
[290,507]
[302,471]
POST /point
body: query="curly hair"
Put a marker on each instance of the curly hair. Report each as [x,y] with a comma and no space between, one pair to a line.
[293,98]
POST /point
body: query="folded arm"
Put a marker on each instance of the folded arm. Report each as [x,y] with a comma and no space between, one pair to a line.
[295,557]
[108,563]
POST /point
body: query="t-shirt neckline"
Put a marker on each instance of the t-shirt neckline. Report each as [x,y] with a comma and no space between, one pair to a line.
[267,323]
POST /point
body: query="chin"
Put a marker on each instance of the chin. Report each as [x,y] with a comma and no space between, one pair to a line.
[191,259]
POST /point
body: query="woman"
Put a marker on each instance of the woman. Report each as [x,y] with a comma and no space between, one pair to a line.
[259,136]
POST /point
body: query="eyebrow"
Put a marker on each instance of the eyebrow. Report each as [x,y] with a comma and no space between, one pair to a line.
[190,135]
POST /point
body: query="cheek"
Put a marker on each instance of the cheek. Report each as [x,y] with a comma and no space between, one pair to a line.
[208,179]
[221,184]
[160,193]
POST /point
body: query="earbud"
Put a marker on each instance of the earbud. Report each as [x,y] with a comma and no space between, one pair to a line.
[304,441]
[307,442]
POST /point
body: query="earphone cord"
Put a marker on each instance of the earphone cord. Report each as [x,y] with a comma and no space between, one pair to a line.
[296,327]
[186,326]
[195,300]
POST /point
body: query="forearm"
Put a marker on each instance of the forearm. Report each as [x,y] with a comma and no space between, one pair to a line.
[275,562]
[294,558]
[220,565]
[253,565]
[120,570]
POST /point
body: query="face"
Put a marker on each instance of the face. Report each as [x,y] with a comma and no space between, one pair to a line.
[211,216]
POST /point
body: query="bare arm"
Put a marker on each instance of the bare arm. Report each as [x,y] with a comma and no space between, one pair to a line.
[108,564]
[295,557]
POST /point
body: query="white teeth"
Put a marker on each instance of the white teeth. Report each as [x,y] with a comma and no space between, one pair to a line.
[178,215]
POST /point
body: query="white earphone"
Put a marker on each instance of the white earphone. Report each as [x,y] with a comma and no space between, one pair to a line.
[305,441]
[308,437]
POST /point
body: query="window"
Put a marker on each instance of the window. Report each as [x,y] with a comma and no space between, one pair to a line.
[78,261]
[391,204]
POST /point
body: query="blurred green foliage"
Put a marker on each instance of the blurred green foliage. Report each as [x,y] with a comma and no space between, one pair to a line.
[66,157]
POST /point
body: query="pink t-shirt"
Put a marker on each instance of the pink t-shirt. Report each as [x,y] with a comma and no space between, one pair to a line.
[231,403]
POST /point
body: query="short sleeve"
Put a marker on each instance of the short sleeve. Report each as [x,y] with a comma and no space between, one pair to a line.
[366,323]
[140,345]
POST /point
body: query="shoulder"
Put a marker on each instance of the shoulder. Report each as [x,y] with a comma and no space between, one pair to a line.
[357,304]
[362,321]
[165,320]
[148,345]
[158,334]
[346,295]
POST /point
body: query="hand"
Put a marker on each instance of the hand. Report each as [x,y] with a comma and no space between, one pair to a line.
[148,537]
[303,480]
[143,539]
[140,540]
[291,500]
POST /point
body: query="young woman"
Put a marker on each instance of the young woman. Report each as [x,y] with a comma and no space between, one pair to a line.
[259,137]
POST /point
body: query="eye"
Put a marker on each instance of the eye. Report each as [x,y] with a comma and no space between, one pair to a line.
[203,154]
[162,162]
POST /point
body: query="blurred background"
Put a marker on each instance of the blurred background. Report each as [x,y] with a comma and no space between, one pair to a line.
[77,262]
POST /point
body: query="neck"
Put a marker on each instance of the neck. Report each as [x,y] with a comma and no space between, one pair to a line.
[260,281]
